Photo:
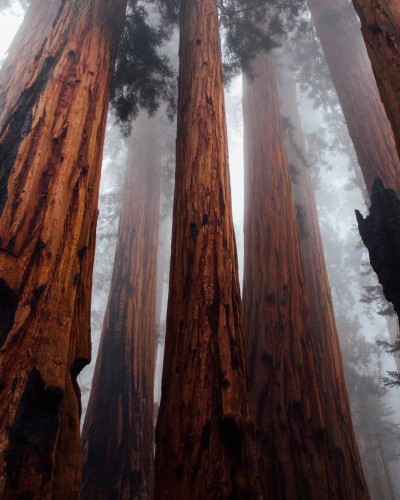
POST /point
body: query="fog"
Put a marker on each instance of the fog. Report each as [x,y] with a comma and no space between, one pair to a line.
[357,296]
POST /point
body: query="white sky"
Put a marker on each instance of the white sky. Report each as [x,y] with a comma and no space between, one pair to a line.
[10,20]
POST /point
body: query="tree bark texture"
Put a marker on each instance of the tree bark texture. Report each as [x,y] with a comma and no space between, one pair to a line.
[338,30]
[380,232]
[205,429]
[380,26]
[329,365]
[51,140]
[119,420]
[293,453]
[30,38]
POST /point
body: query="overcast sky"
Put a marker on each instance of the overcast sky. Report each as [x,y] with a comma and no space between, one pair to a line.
[9,23]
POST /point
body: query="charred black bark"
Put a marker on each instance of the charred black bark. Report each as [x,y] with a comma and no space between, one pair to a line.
[19,125]
[380,232]
[33,435]
[8,306]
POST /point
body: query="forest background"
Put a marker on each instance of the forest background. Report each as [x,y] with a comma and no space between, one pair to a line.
[358,301]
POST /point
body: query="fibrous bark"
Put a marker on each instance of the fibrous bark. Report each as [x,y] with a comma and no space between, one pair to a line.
[294,458]
[119,420]
[205,430]
[338,30]
[380,26]
[51,137]
[329,366]
[30,38]
[380,232]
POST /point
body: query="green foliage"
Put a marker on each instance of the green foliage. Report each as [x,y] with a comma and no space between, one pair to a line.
[251,27]
[393,379]
[374,295]
[143,77]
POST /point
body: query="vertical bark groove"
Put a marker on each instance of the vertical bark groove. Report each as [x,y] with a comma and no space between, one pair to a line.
[52,122]
[329,365]
[338,30]
[294,459]
[119,421]
[205,435]
[380,25]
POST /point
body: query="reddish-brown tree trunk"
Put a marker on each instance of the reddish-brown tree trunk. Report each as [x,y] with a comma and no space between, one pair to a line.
[32,34]
[329,365]
[293,453]
[338,30]
[205,430]
[51,137]
[380,26]
[119,421]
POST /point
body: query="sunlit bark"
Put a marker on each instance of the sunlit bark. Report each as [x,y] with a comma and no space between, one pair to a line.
[51,138]
[205,430]
[338,30]
[293,453]
[119,420]
[329,365]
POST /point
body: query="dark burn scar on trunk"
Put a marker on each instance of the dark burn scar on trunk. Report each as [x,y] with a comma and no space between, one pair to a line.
[194,230]
[231,435]
[380,232]
[18,126]
[33,434]
[8,306]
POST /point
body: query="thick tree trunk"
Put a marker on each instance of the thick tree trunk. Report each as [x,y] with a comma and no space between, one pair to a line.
[329,365]
[380,26]
[51,137]
[337,28]
[294,460]
[205,430]
[119,420]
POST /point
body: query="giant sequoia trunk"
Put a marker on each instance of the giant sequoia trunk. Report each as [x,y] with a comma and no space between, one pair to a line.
[380,25]
[205,431]
[119,420]
[51,135]
[328,358]
[294,458]
[337,28]
[32,34]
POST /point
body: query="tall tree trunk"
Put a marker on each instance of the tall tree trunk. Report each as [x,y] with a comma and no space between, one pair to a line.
[119,421]
[30,38]
[337,28]
[205,430]
[51,139]
[293,455]
[380,26]
[329,365]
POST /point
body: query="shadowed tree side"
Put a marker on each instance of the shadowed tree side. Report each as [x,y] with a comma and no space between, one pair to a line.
[51,138]
[338,30]
[205,430]
[381,235]
[380,26]
[293,454]
[119,421]
[325,340]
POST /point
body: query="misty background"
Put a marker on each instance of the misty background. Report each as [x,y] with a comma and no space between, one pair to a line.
[356,293]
